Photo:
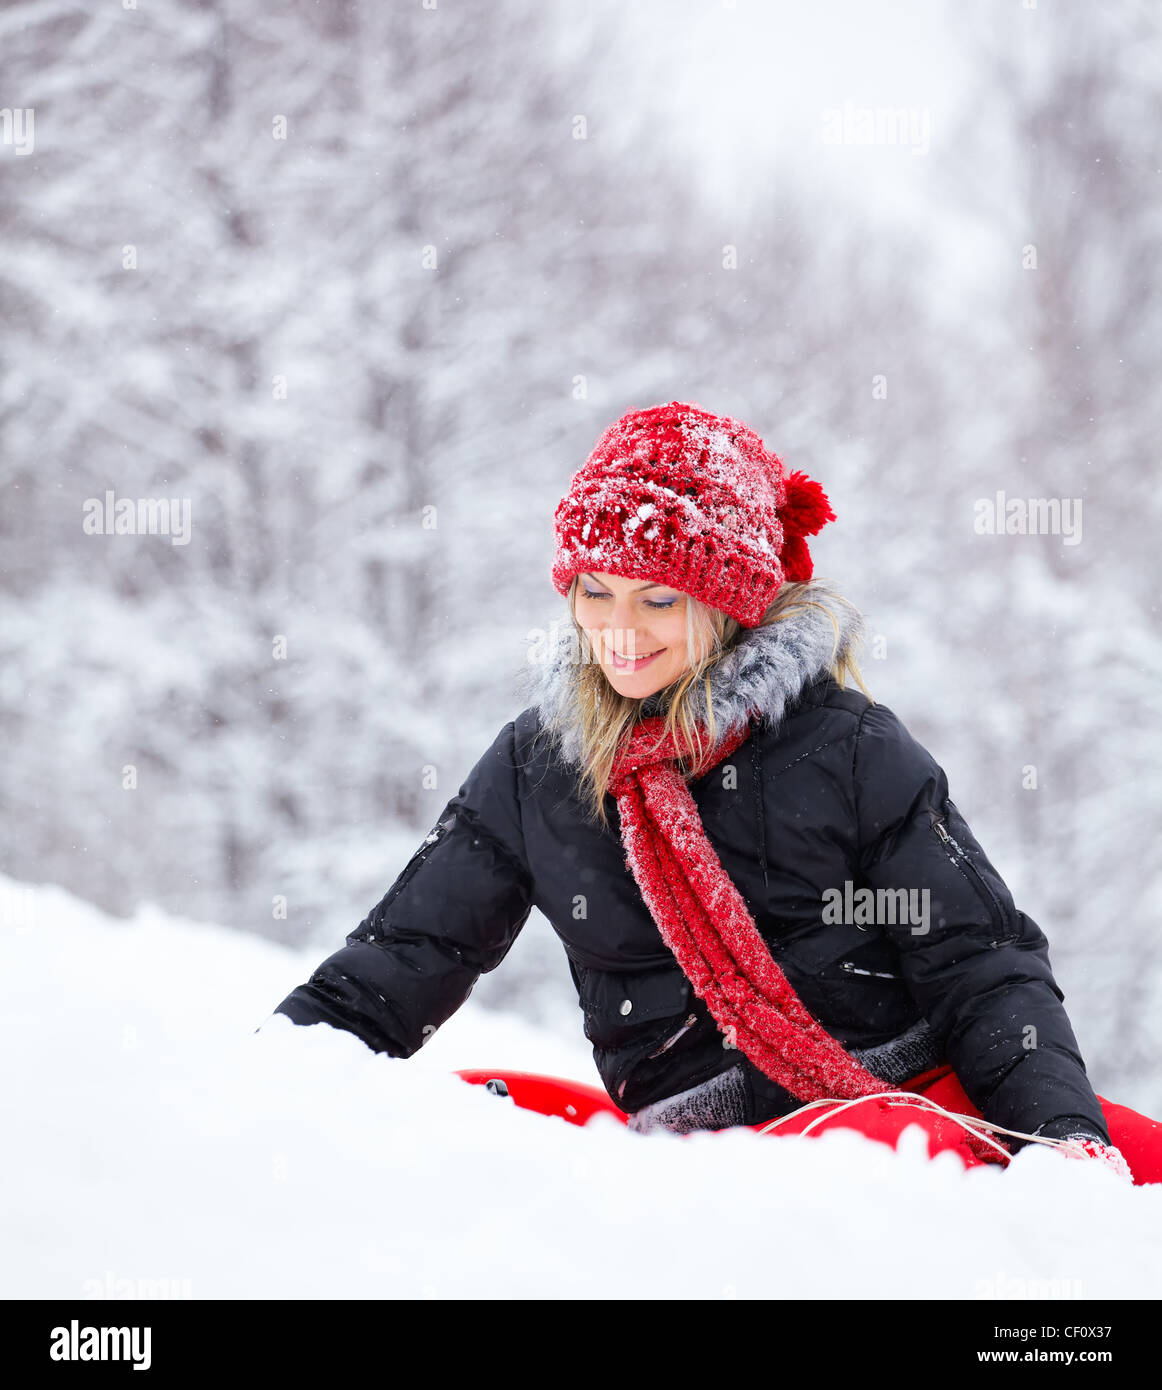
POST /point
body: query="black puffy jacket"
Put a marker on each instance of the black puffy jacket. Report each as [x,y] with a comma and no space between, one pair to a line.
[829,795]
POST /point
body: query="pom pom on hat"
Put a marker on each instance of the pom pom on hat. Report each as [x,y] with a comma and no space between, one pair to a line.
[806,512]
[807,509]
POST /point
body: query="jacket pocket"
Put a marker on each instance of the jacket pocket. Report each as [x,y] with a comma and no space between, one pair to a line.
[668,1042]
[622,1008]
[1003,931]
[866,994]
[434,836]
[853,969]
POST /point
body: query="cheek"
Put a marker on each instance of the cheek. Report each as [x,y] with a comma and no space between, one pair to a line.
[673,631]
[675,658]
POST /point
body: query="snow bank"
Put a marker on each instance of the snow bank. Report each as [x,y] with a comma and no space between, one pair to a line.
[154,1137]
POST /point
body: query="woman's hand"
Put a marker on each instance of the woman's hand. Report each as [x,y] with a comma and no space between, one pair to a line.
[1107,1154]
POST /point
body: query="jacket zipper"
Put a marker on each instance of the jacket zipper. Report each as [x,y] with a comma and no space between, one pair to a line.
[969,869]
[853,969]
[673,1038]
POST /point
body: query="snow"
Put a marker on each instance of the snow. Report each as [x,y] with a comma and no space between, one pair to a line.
[154,1136]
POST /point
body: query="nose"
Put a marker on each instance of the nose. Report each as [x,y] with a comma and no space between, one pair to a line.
[619,629]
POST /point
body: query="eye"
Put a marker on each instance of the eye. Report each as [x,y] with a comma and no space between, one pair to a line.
[649,602]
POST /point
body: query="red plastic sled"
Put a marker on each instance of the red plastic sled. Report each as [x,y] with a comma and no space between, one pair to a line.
[1137,1136]
[549,1095]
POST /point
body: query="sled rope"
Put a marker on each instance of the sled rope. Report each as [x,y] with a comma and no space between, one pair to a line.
[970,1123]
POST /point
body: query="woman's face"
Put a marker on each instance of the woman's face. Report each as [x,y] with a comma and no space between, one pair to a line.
[631,618]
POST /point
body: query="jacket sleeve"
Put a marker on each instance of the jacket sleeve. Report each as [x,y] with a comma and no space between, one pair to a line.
[451,915]
[977,967]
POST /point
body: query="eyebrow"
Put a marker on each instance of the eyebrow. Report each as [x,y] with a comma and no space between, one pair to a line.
[639,588]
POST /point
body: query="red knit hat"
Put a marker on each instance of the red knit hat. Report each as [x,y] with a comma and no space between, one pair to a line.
[693,500]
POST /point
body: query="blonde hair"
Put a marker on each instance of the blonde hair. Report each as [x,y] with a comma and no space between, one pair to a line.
[605,715]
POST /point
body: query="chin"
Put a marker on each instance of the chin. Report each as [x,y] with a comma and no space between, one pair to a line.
[633,689]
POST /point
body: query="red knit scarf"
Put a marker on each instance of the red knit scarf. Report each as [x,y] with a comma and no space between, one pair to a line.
[705,922]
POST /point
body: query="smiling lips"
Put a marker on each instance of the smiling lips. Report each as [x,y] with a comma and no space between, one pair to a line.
[621,663]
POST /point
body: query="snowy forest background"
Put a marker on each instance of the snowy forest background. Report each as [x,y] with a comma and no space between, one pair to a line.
[321,268]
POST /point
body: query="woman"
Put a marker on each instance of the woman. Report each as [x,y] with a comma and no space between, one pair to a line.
[764,892]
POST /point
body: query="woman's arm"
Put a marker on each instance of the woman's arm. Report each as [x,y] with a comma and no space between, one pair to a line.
[451,915]
[978,968]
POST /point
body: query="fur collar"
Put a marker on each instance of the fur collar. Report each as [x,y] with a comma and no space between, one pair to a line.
[765,670]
